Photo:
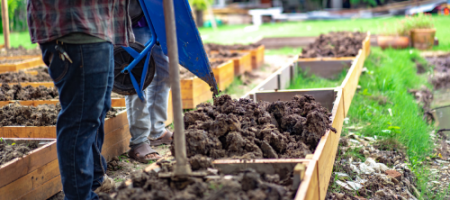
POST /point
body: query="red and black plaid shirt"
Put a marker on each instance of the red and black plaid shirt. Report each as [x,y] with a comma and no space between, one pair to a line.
[49,20]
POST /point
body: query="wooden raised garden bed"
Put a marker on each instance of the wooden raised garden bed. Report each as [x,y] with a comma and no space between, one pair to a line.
[34,176]
[194,91]
[325,152]
[309,186]
[26,63]
[117,134]
[224,74]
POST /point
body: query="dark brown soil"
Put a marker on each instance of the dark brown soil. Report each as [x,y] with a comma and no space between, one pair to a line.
[21,51]
[9,152]
[41,115]
[335,44]
[225,55]
[247,184]
[246,129]
[14,77]
[221,47]
[216,63]
[441,77]
[18,92]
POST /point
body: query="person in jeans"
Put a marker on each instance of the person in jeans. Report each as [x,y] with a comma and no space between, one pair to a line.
[146,118]
[76,38]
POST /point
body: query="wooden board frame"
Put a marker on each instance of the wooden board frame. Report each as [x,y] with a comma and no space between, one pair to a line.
[115,102]
[243,64]
[35,175]
[308,189]
[325,152]
[224,74]
[26,64]
[117,134]
[350,83]
[194,91]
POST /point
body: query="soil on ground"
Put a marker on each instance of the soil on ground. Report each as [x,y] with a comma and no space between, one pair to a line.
[216,63]
[221,47]
[11,151]
[335,44]
[42,115]
[19,92]
[246,129]
[20,51]
[246,184]
[21,76]
[424,98]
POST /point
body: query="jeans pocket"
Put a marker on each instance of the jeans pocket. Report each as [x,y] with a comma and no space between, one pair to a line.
[57,68]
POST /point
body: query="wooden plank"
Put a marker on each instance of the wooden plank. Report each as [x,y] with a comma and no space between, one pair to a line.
[366,45]
[260,56]
[35,84]
[350,82]
[309,188]
[19,167]
[224,74]
[329,69]
[31,181]
[111,124]
[326,150]
[202,92]
[169,110]
[28,63]
[116,143]
[284,78]
[5,20]
[46,191]
[246,62]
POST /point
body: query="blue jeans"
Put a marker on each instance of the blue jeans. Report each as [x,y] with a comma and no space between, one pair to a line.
[84,88]
[147,118]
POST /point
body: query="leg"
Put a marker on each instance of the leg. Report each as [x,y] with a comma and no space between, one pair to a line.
[82,88]
[158,93]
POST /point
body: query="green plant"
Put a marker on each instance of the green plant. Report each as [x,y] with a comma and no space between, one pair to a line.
[419,21]
[200,4]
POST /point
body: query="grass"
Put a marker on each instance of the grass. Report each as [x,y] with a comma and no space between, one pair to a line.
[303,81]
[284,51]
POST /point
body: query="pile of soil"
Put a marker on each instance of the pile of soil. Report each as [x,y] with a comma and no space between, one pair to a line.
[221,47]
[225,55]
[441,77]
[335,44]
[20,51]
[41,115]
[14,77]
[246,129]
[9,152]
[247,184]
[18,92]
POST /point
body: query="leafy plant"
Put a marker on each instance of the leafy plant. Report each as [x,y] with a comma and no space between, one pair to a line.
[200,4]
[419,21]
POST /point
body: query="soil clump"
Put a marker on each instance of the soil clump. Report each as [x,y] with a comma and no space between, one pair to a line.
[18,92]
[225,55]
[216,63]
[424,98]
[246,184]
[21,76]
[223,47]
[41,115]
[9,152]
[335,44]
[246,129]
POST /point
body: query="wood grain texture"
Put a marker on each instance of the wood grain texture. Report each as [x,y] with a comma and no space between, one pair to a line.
[224,74]
[26,64]
[351,80]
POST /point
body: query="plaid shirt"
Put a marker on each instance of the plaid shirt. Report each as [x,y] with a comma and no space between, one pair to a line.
[109,20]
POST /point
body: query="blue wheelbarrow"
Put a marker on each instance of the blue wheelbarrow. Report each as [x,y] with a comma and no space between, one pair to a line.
[133,73]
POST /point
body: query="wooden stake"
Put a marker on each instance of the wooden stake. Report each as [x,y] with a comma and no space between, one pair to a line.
[5,23]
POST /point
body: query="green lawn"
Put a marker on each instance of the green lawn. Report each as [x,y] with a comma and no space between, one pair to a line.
[241,34]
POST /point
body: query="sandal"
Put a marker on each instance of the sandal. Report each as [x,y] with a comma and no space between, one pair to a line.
[166,138]
[143,150]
